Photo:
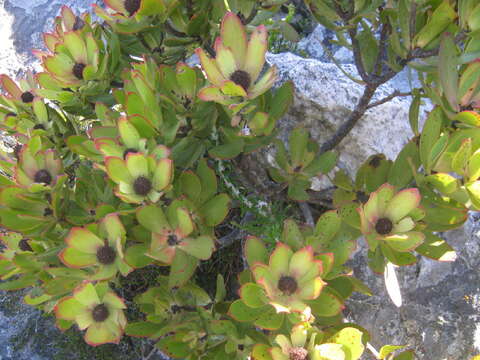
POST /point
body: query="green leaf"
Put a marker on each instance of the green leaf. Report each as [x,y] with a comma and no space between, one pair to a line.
[430,134]
[297,190]
[135,256]
[460,159]
[255,251]
[261,352]
[152,218]
[327,304]
[322,164]
[142,329]
[182,269]
[406,355]
[351,339]
[220,291]
[298,145]
[388,349]
[227,151]
[269,319]
[291,235]
[443,16]
[216,209]
[20,283]
[190,185]
[447,69]
[443,182]
[397,258]
[281,101]
[253,295]
[326,228]
[369,47]
[401,172]
[243,313]
[436,248]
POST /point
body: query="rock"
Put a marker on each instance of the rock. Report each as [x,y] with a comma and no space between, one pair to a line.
[320,38]
[439,317]
[324,97]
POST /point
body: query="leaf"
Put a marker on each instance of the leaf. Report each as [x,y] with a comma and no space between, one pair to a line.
[216,209]
[388,349]
[460,159]
[253,295]
[261,352]
[351,339]
[243,313]
[447,70]
[298,145]
[398,258]
[436,248]
[220,291]
[142,329]
[406,355]
[391,284]
[269,319]
[255,251]
[182,269]
[291,234]
[327,304]
[443,16]
[443,182]
[322,164]
[369,46]
[430,134]
[400,174]
[281,101]
[227,151]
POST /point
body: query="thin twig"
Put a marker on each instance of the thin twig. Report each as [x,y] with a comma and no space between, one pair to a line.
[392,96]
[348,125]
[307,213]
[151,353]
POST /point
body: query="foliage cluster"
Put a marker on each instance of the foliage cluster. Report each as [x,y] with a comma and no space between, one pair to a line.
[118,138]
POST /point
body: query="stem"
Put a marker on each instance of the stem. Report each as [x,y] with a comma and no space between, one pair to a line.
[392,96]
[348,125]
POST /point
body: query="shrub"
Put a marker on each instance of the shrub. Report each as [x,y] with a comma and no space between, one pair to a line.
[121,159]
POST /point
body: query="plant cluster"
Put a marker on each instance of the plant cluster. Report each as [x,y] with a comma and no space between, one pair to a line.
[118,137]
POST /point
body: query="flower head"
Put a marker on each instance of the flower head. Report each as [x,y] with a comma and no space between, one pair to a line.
[235,71]
[40,168]
[173,232]
[75,60]
[139,177]
[290,278]
[105,252]
[390,217]
[97,309]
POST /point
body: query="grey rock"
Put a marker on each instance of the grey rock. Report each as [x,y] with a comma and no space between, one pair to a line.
[324,97]
[320,38]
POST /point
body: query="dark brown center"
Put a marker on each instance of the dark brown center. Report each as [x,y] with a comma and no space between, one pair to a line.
[287,285]
[129,151]
[375,161]
[42,177]
[10,114]
[298,353]
[383,226]
[172,240]
[24,245]
[79,24]
[106,255]
[100,313]
[142,186]
[27,97]
[39,126]
[47,212]
[132,6]
[241,78]
[78,70]
[362,197]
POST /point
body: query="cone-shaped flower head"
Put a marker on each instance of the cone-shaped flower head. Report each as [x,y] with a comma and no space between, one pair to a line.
[21,95]
[139,177]
[236,68]
[391,217]
[97,309]
[125,7]
[129,141]
[75,60]
[103,251]
[298,348]
[14,243]
[41,167]
[173,231]
[290,278]
[65,23]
